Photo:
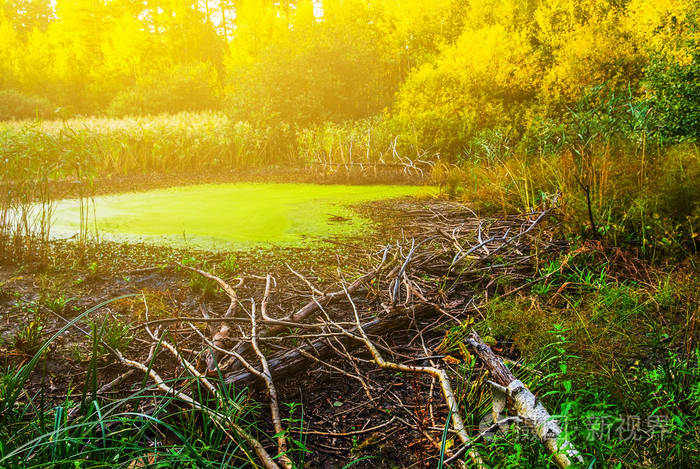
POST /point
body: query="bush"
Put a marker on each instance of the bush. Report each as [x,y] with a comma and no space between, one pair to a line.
[469,89]
[182,88]
[15,105]
[676,96]
[672,76]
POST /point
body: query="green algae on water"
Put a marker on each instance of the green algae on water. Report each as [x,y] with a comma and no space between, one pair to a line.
[225,216]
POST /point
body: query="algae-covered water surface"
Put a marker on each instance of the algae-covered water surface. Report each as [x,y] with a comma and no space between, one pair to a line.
[222,216]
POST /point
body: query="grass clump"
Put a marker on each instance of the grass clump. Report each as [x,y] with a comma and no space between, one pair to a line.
[199,283]
[57,304]
[114,333]
[230,264]
[30,338]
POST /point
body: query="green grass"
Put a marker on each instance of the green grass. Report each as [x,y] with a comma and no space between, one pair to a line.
[615,357]
[35,433]
[219,216]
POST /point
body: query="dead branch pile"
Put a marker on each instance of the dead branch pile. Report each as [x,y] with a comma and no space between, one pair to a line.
[391,315]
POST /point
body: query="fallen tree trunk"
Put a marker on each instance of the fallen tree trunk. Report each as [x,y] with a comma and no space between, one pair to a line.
[289,363]
[529,409]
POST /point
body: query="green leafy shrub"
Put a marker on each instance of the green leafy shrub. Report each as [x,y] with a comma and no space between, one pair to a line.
[674,82]
[15,105]
[181,88]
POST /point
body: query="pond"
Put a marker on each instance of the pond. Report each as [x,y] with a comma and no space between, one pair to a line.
[228,216]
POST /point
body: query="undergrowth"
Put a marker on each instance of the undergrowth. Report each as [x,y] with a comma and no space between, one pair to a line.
[142,429]
[611,347]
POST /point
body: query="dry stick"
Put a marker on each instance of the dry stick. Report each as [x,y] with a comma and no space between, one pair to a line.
[222,335]
[441,375]
[346,290]
[270,322]
[231,353]
[266,296]
[230,291]
[119,379]
[219,418]
[291,361]
[288,362]
[189,367]
[529,408]
[504,238]
[326,298]
[306,281]
[116,381]
[183,361]
[317,304]
[272,391]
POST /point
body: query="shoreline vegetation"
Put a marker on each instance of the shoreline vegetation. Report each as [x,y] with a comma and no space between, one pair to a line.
[618,178]
[550,286]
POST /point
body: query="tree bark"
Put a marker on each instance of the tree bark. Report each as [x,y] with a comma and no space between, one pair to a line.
[530,409]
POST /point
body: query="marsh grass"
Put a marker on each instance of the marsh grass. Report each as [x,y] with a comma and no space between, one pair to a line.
[162,144]
[30,161]
[142,428]
[658,214]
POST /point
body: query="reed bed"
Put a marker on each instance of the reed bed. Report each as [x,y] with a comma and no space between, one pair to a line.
[140,145]
[204,141]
